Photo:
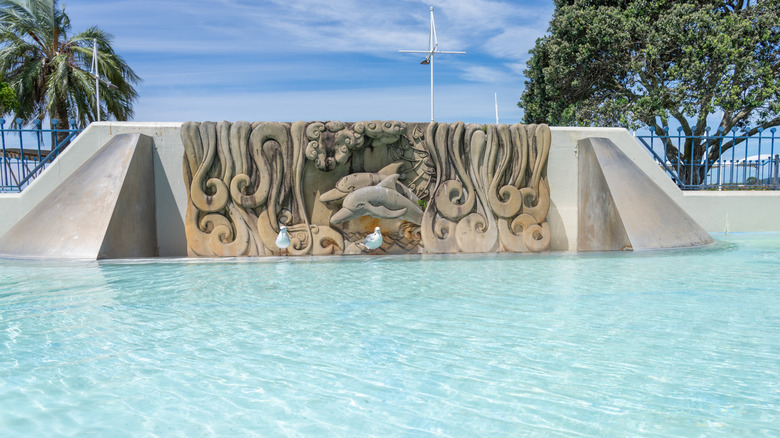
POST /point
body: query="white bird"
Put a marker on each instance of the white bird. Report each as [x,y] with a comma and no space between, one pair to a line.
[373,240]
[282,240]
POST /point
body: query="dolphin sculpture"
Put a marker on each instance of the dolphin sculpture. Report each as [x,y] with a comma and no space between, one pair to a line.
[354,181]
[381,201]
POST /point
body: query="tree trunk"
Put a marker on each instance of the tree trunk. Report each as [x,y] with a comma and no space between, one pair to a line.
[61,114]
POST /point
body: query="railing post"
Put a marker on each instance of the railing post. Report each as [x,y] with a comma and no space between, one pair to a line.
[745,162]
[777,167]
[760,166]
[772,160]
[22,165]
[652,142]
[707,164]
[37,123]
[71,129]
[667,138]
[5,158]
[733,140]
[719,133]
[54,123]
[666,149]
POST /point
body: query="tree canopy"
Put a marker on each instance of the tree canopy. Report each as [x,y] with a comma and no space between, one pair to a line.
[48,68]
[645,62]
[7,98]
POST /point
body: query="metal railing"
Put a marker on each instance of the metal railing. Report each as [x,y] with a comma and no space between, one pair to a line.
[730,160]
[27,152]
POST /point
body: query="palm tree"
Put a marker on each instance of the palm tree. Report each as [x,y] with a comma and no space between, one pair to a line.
[49,70]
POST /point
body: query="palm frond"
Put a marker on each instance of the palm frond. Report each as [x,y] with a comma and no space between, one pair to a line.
[49,70]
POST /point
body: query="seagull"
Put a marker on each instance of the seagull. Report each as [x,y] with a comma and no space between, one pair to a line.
[373,240]
[282,240]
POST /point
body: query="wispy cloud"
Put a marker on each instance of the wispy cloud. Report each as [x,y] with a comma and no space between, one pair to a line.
[518,68]
[315,56]
[480,73]
[322,25]
[513,43]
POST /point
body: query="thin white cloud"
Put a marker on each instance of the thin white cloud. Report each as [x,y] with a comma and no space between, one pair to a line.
[321,25]
[518,68]
[513,43]
[485,14]
[481,73]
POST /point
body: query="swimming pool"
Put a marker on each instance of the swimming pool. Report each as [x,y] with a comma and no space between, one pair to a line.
[666,343]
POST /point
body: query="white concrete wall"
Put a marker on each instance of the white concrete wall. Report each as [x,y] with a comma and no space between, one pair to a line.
[715,211]
[170,192]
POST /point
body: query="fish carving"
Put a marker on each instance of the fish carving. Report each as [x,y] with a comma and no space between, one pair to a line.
[382,201]
[355,181]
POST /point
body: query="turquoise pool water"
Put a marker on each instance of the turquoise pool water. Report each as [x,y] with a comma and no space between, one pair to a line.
[671,343]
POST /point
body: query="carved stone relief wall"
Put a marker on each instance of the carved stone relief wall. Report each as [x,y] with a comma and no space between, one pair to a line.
[430,188]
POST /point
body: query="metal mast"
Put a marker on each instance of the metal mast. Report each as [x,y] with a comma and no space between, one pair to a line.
[433,49]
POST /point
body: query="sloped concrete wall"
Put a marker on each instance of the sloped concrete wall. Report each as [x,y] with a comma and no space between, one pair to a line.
[170,193]
[716,212]
[621,208]
[105,209]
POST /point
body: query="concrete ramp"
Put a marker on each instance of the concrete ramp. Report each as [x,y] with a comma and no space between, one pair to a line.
[621,208]
[104,210]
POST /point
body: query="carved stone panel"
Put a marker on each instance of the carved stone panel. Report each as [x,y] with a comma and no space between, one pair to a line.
[431,188]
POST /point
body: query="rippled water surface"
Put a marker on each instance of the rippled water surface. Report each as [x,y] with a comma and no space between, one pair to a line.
[671,343]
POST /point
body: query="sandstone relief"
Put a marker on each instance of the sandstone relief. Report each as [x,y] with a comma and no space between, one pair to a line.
[327,186]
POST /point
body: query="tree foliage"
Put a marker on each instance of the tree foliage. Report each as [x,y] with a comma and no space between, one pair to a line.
[49,69]
[7,98]
[645,62]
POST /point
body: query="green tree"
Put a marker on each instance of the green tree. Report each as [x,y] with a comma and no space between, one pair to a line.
[49,69]
[645,62]
[7,98]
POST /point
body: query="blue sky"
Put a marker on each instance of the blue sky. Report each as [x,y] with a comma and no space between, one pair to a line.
[286,60]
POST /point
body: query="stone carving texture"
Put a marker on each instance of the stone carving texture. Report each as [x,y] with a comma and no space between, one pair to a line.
[431,188]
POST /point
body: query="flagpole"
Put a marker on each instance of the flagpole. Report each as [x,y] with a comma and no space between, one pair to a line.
[431,86]
[432,45]
[495,98]
[433,48]
[97,77]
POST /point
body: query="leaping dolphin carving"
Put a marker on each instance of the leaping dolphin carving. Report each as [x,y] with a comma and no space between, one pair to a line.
[354,181]
[381,201]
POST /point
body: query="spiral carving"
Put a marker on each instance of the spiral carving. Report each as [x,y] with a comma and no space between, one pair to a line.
[208,192]
[224,240]
[331,144]
[437,233]
[381,133]
[537,204]
[449,198]
[505,202]
[449,202]
[326,241]
[475,233]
